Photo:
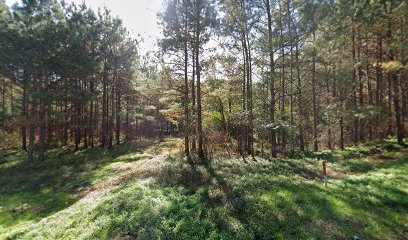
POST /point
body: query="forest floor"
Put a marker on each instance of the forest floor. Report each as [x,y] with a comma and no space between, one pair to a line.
[147,191]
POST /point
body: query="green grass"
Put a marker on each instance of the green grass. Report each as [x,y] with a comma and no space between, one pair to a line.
[141,192]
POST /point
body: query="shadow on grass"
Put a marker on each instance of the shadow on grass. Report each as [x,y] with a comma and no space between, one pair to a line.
[362,150]
[258,200]
[267,207]
[361,166]
[183,172]
[380,199]
[32,192]
[275,208]
[232,199]
[265,200]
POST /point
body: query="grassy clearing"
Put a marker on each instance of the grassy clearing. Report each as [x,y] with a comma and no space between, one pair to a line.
[147,192]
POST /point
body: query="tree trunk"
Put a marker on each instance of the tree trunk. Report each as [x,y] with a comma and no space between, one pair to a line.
[198,71]
[328,101]
[369,91]
[24,115]
[66,123]
[186,86]
[356,122]
[314,93]
[193,109]
[272,80]
[118,117]
[42,114]
[389,105]
[282,43]
[248,74]
[77,127]
[242,133]
[378,78]
[360,94]
[91,116]
[292,134]
[112,115]
[31,129]
[397,109]
[3,102]
[77,115]
[128,130]
[403,88]
[300,101]
[104,106]
[341,133]
[396,91]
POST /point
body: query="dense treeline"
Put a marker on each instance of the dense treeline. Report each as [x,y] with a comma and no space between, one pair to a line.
[252,77]
[66,75]
[287,75]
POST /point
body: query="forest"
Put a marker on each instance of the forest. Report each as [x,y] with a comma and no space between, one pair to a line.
[218,133]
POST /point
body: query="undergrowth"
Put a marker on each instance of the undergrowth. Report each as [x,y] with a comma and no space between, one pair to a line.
[161,196]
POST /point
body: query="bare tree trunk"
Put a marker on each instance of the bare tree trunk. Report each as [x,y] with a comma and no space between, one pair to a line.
[247,47]
[378,77]
[369,91]
[77,114]
[104,106]
[328,101]
[272,80]
[50,129]
[66,122]
[84,118]
[3,102]
[118,116]
[341,133]
[334,91]
[300,101]
[397,109]
[186,86]
[43,120]
[250,106]
[193,109]
[292,134]
[198,71]
[355,133]
[360,94]
[314,93]
[389,105]
[12,108]
[128,130]
[396,91]
[244,95]
[96,119]
[31,129]
[403,88]
[282,43]
[112,116]
[24,115]
[77,127]
[91,116]
[42,114]
[341,122]
[244,75]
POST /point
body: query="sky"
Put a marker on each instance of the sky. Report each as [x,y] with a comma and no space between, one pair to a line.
[139,17]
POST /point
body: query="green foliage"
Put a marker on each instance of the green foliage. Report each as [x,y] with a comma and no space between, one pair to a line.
[228,199]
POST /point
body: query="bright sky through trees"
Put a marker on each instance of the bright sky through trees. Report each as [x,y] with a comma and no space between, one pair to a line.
[139,17]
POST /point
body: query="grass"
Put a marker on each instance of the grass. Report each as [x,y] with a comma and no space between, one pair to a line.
[146,191]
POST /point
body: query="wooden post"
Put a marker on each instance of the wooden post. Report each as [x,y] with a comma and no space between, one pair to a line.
[324,173]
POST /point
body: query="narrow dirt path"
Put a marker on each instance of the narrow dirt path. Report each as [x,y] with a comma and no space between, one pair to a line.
[152,164]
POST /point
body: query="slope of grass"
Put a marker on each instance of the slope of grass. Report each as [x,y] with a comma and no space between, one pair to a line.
[146,192]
